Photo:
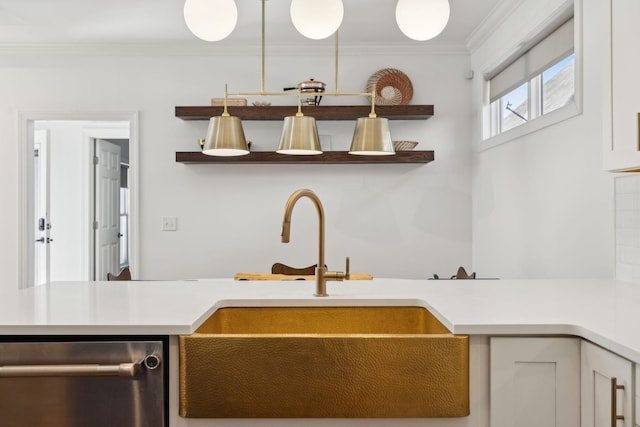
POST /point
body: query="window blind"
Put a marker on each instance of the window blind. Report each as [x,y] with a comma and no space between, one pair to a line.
[541,56]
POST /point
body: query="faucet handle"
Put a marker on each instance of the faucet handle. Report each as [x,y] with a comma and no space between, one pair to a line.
[347,274]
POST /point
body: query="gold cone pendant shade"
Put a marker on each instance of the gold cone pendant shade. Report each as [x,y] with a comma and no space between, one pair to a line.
[225,137]
[372,137]
[299,136]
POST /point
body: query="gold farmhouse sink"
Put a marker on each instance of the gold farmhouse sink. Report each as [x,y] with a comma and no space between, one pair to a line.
[323,362]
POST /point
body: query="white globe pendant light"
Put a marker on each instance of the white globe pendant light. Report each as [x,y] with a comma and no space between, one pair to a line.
[211,20]
[422,19]
[316,19]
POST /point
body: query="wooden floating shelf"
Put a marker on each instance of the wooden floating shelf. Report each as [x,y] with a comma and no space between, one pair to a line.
[328,157]
[338,112]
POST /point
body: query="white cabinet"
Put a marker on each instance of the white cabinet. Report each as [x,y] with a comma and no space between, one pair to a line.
[606,388]
[637,369]
[535,382]
[622,151]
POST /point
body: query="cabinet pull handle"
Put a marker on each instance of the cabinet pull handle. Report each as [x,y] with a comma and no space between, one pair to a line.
[614,401]
[121,370]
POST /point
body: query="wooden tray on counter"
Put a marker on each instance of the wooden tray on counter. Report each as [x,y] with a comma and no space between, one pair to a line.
[269,276]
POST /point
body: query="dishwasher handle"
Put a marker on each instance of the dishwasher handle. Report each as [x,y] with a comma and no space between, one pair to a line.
[82,370]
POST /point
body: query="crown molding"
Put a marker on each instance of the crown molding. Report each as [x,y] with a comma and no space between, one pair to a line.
[245,49]
[500,12]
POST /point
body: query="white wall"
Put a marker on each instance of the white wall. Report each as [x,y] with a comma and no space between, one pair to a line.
[397,220]
[542,206]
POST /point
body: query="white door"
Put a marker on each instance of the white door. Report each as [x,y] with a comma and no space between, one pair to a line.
[606,388]
[42,226]
[107,209]
[535,382]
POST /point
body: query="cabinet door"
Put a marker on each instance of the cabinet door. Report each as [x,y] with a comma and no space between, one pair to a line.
[535,382]
[624,150]
[637,369]
[600,399]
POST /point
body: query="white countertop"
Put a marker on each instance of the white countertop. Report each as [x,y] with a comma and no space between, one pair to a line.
[606,312]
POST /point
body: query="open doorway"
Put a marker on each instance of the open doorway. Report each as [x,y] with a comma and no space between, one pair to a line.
[81,203]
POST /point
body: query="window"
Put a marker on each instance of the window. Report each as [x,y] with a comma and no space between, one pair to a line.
[538,82]
[558,84]
[514,108]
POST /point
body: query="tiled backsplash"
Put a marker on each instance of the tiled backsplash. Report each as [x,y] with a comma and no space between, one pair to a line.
[628,227]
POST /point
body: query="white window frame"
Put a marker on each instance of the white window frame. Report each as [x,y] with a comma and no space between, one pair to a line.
[491,118]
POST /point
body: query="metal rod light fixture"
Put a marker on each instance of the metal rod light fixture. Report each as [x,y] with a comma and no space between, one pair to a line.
[225,136]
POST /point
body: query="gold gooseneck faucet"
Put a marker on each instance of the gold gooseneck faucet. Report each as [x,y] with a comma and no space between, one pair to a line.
[322,275]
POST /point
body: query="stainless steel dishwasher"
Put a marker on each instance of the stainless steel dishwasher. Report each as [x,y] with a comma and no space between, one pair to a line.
[83,383]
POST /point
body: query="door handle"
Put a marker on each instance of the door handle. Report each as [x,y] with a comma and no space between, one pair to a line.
[120,234]
[41,240]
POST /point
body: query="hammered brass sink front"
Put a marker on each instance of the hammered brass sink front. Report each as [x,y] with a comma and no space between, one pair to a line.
[323,362]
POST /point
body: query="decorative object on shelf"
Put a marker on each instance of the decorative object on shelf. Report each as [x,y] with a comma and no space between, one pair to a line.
[261,104]
[310,86]
[404,145]
[210,20]
[422,19]
[225,136]
[316,19]
[234,102]
[299,134]
[392,87]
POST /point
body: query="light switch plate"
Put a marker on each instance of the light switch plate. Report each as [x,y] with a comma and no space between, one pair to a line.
[169,223]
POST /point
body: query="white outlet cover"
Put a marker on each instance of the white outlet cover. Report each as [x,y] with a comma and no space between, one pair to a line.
[169,223]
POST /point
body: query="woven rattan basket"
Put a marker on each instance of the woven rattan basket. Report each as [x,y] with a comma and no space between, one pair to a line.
[393,87]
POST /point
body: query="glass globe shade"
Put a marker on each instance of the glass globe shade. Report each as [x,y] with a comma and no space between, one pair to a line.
[422,19]
[211,20]
[316,19]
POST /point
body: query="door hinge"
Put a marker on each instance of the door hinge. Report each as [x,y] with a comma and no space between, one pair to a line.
[96,160]
[95,225]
